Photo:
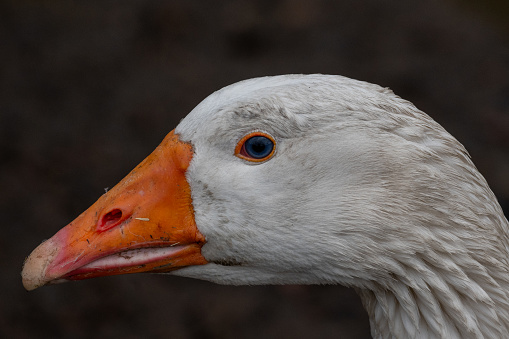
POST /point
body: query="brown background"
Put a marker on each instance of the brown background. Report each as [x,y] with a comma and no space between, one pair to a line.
[89,88]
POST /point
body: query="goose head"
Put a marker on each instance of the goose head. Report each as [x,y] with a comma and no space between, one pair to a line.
[306,179]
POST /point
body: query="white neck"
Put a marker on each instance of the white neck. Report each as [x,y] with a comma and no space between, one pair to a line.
[441,299]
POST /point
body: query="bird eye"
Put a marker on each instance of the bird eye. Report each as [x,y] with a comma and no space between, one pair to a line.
[256,147]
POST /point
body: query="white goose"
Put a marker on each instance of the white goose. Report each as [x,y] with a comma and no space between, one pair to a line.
[307,179]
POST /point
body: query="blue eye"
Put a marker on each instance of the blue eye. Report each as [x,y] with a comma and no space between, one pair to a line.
[256,147]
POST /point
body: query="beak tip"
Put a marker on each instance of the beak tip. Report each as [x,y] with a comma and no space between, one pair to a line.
[35,266]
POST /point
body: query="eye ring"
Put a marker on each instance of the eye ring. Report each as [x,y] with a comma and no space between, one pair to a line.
[256,147]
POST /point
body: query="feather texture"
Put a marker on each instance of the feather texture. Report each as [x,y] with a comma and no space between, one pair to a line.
[364,190]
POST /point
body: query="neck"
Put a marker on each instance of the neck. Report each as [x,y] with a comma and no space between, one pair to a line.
[448,301]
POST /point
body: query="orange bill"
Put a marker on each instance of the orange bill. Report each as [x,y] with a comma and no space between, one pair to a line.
[144,224]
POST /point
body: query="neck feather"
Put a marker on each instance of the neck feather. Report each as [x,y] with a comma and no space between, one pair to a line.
[441,299]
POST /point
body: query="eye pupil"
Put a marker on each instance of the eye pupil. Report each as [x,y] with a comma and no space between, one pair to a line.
[258,147]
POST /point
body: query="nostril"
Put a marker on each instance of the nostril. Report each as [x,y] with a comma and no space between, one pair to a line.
[110,219]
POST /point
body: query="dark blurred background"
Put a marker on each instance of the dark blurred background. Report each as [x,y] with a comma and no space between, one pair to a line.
[89,88]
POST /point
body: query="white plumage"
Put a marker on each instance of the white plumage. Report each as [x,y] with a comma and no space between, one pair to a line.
[365,190]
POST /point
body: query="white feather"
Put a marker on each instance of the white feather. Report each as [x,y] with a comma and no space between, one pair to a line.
[364,190]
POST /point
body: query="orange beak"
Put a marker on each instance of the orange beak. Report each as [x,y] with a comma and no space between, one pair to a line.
[144,224]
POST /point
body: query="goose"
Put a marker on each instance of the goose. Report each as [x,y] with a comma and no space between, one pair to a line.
[307,179]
